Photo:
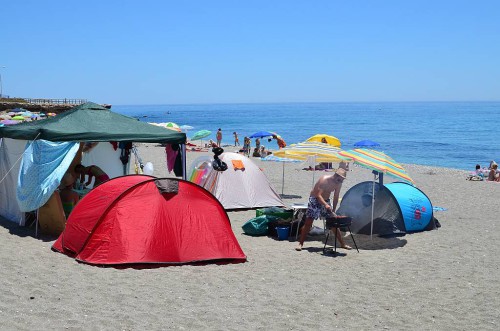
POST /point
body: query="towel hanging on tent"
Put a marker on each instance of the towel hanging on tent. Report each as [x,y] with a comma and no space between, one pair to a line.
[178,160]
[171,157]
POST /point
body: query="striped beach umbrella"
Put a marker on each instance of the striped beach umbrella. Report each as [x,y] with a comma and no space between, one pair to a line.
[324,138]
[173,126]
[378,161]
[185,128]
[322,152]
[319,152]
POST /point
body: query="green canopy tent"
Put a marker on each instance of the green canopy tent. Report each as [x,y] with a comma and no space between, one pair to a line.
[86,122]
[92,122]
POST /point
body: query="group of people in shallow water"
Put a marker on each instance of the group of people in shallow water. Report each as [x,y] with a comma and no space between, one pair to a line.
[491,173]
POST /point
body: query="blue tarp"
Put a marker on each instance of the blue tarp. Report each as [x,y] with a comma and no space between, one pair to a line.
[43,165]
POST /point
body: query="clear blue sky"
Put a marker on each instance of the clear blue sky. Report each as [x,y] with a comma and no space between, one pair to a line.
[170,52]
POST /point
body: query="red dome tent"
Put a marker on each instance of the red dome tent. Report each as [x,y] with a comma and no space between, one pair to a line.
[146,220]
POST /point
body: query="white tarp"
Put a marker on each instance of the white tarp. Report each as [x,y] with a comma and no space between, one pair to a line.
[105,157]
[11,152]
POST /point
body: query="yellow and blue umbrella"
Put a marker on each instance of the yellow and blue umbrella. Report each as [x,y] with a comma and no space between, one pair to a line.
[324,138]
[322,152]
[378,161]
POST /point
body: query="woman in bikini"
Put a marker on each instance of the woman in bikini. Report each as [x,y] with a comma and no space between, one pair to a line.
[69,198]
[92,171]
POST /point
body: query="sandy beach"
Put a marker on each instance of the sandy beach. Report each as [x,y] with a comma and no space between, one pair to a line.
[446,279]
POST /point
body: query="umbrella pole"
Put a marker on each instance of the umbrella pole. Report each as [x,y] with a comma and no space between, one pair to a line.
[373,205]
[314,169]
[283,179]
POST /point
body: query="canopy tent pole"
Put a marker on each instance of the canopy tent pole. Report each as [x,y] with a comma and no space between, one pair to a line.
[138,161]
[184,161]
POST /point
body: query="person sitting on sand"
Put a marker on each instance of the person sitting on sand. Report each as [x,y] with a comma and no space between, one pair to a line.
[263,151]
[257,144]
[319,204]
[69,198]
[91,171]
[212,144]
[256,152]
[493,175]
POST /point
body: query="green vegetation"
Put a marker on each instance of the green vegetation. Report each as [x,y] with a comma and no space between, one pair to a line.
[18,100]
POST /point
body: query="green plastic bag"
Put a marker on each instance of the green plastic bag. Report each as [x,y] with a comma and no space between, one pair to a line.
[258,226]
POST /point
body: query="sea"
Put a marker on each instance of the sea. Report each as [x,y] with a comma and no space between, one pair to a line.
[444,134]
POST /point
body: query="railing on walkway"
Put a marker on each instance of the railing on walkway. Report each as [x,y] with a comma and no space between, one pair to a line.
[56,101]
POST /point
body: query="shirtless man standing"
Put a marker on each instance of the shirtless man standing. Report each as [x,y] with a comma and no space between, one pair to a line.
[319,204]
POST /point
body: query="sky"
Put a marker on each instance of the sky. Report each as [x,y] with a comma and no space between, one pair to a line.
[187,52]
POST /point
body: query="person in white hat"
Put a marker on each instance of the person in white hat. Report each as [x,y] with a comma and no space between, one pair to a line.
[319,204]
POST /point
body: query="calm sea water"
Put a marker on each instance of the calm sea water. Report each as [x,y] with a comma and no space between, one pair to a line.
[447,134]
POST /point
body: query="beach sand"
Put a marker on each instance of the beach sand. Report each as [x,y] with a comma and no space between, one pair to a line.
[446,279]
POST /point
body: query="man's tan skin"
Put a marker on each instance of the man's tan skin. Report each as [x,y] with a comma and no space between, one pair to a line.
[322,191]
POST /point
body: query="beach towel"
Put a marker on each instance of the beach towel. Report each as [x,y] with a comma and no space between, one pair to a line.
[238,165]
[42,167]
[171,156]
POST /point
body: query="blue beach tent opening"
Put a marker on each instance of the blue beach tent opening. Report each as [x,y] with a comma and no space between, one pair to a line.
[398,208]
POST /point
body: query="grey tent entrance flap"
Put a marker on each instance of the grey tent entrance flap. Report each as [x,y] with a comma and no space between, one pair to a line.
[167,185]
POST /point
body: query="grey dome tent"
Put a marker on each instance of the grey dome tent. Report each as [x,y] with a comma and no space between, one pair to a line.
[399,208]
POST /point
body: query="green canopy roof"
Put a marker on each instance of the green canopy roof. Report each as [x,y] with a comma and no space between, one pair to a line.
[92,122]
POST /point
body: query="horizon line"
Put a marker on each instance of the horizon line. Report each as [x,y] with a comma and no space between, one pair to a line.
[296,102]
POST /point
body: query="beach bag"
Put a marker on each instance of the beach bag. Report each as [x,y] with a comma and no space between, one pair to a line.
[219,165]
[285,214]
[258,226]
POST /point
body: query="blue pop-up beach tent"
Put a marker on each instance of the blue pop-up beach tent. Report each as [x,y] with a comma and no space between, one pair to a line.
[398,208]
